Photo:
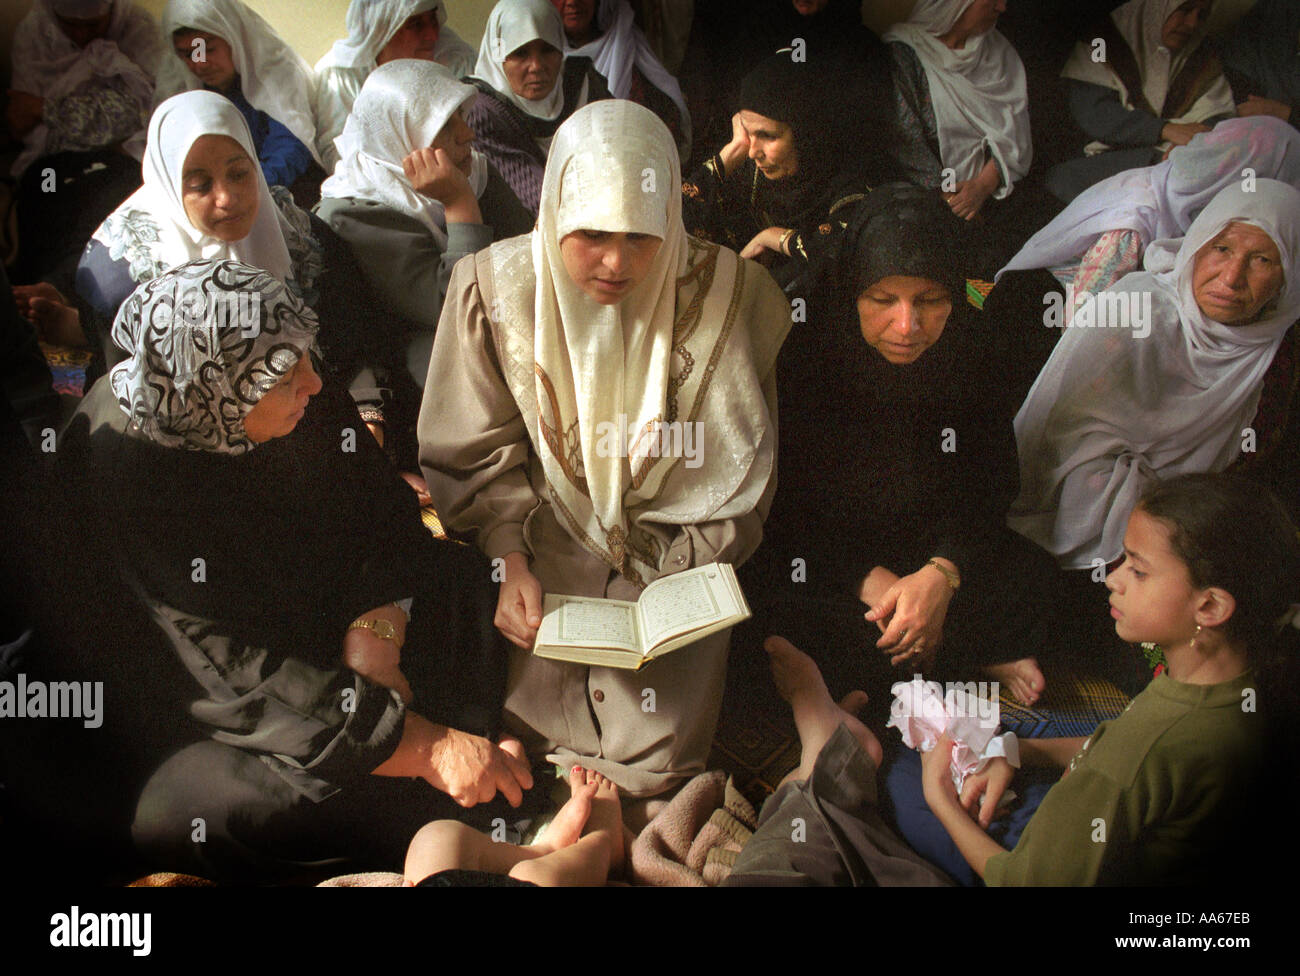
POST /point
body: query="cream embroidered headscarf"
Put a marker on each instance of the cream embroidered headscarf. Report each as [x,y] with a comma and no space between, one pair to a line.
[646,363]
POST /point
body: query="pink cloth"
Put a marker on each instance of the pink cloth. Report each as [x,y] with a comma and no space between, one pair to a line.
[922,712]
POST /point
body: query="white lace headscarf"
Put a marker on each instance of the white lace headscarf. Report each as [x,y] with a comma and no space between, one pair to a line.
[402,107]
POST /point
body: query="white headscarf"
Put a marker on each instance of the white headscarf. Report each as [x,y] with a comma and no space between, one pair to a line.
[345,67]
[980,97]
[47,63]
[151,229]
[372,24]
[622,47]
[1161,201]
[1141,23]
[1111,411]
[575,365]
[402,107]
[273,78]
[511,25]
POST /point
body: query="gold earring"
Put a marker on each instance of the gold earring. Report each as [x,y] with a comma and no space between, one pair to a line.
[1194,636]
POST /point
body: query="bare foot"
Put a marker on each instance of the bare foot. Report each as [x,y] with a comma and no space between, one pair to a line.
[607,818]
[566,827]
[1024,678]
[816,715]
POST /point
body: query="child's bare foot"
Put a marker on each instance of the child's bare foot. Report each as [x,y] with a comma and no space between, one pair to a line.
[566,826]
[607,818]
[816,715]
[1024,678]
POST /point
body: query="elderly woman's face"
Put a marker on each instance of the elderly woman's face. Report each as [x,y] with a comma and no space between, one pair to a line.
[608,266]
[533,69]
[901,317]
[771,145]
[1183,23]
[283,405]
[578,17]
[1235,275]
[208,56]
[219,188]
[416,38]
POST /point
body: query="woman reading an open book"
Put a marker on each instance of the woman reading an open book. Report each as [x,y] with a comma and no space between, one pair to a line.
[600,411]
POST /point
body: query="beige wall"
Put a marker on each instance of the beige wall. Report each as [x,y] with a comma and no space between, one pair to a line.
[310,26]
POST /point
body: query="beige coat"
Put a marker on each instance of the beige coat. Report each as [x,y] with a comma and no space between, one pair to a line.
[646,730]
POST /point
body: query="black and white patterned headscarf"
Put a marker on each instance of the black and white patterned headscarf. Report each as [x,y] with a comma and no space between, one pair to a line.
[207,340]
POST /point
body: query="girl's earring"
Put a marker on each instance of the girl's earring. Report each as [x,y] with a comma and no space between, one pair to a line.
[1194,636]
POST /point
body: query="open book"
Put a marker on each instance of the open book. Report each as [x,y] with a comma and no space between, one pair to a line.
[672,612]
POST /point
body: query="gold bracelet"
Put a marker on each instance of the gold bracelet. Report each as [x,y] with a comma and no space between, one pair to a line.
[785,239]
[954,581]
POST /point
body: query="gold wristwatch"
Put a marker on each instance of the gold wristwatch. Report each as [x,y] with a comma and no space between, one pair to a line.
[383,629]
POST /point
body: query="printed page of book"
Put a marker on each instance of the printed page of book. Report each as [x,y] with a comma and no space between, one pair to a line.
[679,604]
[582,621]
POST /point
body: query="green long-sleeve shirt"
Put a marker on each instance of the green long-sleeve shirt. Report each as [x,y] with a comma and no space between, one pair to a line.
[1151,795]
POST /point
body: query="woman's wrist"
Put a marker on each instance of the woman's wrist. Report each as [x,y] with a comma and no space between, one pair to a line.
[733,155]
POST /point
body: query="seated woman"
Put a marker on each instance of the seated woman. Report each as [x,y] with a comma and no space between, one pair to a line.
[380,31]
[569,369]
[909,467]
[782,189]
[318,679]
[411,197]
[1171,385]
[1155,87]
[1168,793]
[205,197]
[223,46]
[962,105]
[1104,233]
[83,76]
[610,38]
[1261,60]
[728,37]
[527,88]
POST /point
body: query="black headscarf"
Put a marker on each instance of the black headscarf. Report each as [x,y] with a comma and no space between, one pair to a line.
[907,231]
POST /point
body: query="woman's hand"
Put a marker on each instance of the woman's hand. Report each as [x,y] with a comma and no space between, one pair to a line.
[1256,105]
[917,605]
[991,783]
[736,151]
[1181,133]
[376,658]
[971,195]
[432,173]
[466,767]
[768,239]
[25,112]
[519,604]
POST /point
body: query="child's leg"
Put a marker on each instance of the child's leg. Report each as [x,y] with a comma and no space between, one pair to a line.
[594,856]
[445,845]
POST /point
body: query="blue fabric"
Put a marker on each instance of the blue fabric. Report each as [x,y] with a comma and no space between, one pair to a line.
[904,801]
[283,157]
